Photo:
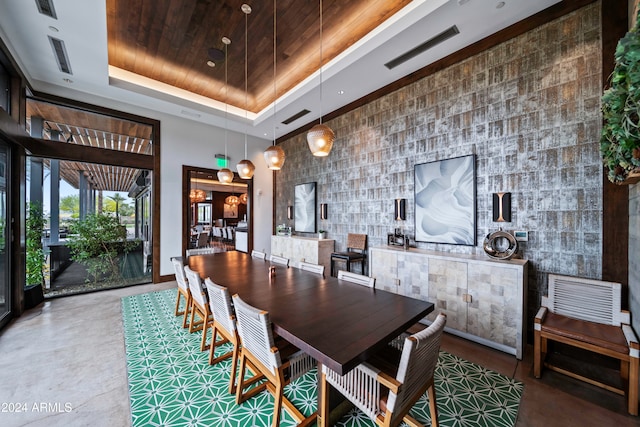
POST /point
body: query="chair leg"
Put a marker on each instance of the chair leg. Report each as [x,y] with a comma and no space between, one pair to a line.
[192,321]
[234,368]
[277,396]
[433,407]
[205,326]
[178,312]
[187,310]
[323,410]
[240,382]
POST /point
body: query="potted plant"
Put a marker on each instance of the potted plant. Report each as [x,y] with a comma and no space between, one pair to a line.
[321,234]
[620,139]
[33,291]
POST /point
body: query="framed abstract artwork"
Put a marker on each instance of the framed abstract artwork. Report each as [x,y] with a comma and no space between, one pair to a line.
[305,208]
[445,201]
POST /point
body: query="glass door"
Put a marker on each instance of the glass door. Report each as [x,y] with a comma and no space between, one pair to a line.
[5,240]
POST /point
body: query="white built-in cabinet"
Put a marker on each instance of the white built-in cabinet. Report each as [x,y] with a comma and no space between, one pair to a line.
[484,300]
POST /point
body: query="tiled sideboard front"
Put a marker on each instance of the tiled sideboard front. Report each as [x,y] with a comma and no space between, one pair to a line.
[309,249]
[484,300]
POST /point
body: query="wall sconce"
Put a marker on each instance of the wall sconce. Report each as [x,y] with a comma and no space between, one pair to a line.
[323,211]
[502,207]
[400,209]
[289,212]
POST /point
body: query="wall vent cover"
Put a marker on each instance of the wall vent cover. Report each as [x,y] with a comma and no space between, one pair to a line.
[60,53]
[45,7]
[432,42]
[296,116]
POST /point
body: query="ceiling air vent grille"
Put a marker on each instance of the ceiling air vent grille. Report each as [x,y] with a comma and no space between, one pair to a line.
[45,7]
[60,52]
[445,35]
[296,116]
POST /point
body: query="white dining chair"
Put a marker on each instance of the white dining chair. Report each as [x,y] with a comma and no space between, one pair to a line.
[386,393]
[277,360]
[277,259]
[202,251]
[224,324]
[183,291]
[314,268]
[199,306]
[359,279]
[258,254]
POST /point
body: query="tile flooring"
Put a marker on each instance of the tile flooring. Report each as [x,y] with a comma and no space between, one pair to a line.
[63,364]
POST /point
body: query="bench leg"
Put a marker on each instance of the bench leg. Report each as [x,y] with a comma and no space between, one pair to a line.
[537,354]
[633,385]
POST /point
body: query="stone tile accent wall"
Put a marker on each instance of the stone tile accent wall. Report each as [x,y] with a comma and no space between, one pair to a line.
[529,109]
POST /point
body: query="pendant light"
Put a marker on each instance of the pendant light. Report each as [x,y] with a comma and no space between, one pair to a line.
[225,175]
[197,195]
[320,137]
[232,200]
[274,155]
[245,167]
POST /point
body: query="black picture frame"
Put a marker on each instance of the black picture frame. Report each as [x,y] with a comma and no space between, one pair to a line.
[304,217]
[445,201]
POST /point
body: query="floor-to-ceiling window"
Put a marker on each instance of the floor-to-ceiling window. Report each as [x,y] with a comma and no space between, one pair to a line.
[5,253]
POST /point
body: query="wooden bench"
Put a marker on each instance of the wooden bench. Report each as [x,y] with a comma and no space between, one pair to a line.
[586,313]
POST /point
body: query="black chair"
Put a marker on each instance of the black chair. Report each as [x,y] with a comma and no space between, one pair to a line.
[356,253]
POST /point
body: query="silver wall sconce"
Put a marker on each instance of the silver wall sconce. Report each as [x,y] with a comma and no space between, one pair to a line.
[289,212]
[323,211]
[400,209]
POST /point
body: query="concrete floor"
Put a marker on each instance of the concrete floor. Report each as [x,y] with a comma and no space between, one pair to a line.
[63,364]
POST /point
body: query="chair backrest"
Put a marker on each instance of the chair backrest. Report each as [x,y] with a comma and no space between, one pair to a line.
[203,239]
[314,268]
[276,259]
[221,306]
[256,335]
[357,278]
[195,286]
[586,299]
[202,251]
[417,365]
[357,242]
[178,267]
[258,254]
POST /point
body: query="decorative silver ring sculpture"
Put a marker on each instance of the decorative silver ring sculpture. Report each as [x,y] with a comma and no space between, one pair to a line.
[495,249]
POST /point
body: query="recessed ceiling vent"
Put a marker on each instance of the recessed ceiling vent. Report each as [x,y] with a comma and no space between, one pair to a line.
[432,42]
[45,7]
[296,116]
[60,53]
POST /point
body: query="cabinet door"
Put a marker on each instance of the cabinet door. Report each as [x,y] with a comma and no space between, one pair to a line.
[383,266]
[495,311]
[447,287]
[413,272]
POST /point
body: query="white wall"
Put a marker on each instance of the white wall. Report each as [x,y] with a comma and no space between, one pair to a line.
[195,144]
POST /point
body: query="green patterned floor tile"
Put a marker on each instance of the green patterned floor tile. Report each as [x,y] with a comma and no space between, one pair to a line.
[172,384]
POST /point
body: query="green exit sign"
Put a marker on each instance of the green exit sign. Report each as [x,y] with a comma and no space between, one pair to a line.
[221,161]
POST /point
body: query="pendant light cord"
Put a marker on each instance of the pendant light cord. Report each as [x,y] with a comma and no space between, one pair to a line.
[226,101]
[275,92]
[320,61]
[246,99]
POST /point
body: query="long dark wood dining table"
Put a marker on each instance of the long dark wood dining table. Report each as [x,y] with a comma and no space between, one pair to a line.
[338,323]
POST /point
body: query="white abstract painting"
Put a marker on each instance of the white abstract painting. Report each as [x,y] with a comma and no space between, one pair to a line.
[445,201]
[305,207]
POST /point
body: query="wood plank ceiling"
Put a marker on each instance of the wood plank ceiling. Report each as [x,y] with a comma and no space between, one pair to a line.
[73,126]
[169,41]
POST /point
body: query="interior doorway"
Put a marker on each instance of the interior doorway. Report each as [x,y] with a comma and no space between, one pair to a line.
[216,215]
